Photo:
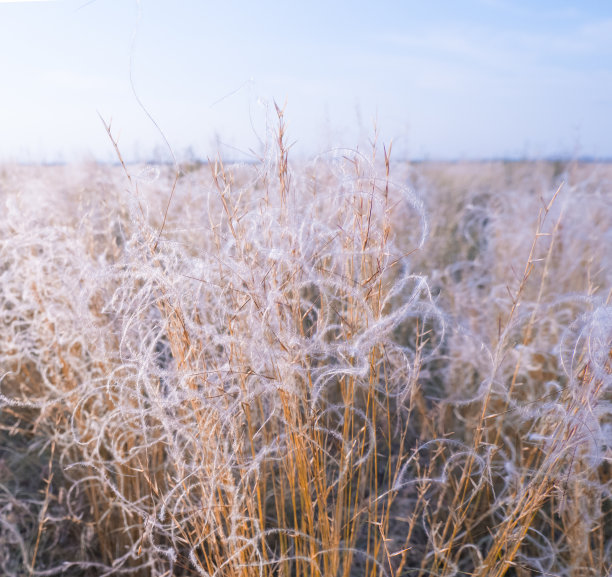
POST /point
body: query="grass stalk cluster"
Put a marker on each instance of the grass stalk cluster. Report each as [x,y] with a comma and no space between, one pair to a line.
[314,370]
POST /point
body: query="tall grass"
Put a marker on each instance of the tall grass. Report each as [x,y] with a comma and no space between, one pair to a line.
[350,367]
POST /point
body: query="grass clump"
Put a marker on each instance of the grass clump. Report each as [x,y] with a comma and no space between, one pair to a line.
[302,371]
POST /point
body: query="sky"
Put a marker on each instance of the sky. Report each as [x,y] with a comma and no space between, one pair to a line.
[457,80]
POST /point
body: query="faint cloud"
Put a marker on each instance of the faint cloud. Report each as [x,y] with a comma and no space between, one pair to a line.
[599,32]
[558,12]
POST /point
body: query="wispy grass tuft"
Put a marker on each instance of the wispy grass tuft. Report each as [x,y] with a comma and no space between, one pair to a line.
[347,367]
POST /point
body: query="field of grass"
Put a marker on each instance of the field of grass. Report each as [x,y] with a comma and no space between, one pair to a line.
[347,367]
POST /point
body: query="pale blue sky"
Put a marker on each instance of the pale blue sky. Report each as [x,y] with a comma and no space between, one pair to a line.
[444,79]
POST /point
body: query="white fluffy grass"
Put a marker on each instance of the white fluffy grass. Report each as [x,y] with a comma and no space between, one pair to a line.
[310,371]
